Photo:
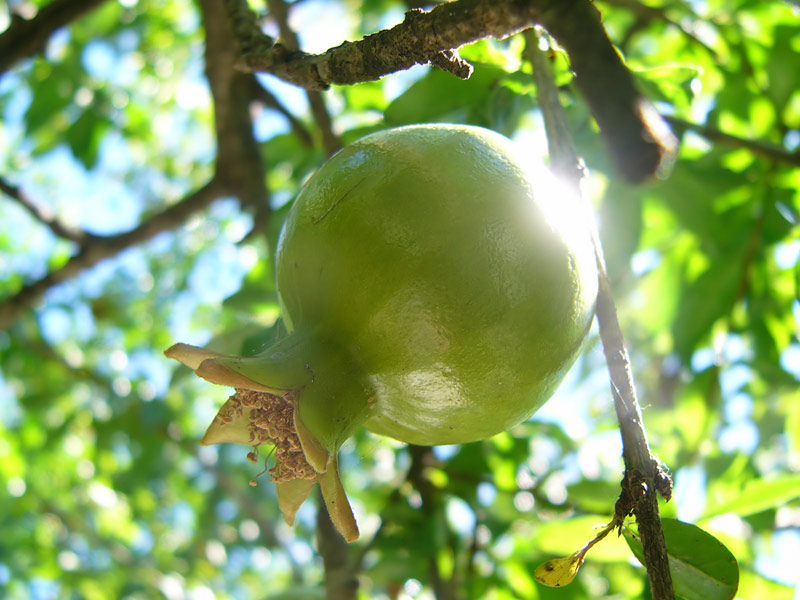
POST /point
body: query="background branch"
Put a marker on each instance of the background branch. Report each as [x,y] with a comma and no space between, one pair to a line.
[642,475]
[240,169]
[330,141]
[645,14]
[772,152]
[44,215]
[263,95]
[28,37]
[341,582]
[97,248]
[422,458]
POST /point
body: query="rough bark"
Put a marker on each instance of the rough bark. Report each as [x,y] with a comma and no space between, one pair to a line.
[641,143]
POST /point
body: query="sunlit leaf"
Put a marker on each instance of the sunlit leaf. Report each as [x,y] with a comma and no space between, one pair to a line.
[701,567]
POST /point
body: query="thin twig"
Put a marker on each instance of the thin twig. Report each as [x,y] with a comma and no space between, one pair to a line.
[641,469]
[44,215]
[767,150]
[266,97]
[330,141]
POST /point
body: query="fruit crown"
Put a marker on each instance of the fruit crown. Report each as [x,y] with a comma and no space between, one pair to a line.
[258,414]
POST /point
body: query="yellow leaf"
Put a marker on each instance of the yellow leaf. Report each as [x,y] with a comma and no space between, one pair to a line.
[558,572]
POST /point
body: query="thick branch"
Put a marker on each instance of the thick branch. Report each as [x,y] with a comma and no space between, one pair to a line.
[25,38]
[421,38]
[642,475]
[640,141]
[239,161]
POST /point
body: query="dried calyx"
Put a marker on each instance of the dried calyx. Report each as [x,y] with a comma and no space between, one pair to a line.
[270,420]
[304,419]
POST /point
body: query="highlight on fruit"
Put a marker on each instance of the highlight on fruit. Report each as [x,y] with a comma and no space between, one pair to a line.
[434,291]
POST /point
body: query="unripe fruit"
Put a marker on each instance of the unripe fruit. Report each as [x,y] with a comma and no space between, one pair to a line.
[432,293]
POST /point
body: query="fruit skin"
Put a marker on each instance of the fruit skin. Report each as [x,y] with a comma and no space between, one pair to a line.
[425,255]
[429,294]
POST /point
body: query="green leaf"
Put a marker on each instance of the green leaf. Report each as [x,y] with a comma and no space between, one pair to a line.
[84,137]
[783,74]
[702,568]
[758,495]
[703,302]
[753,585]
[440,96]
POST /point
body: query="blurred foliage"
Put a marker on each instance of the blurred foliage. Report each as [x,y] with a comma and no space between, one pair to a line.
[104,491]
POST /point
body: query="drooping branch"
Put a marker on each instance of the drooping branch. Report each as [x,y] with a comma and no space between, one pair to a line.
[643,478]
[639,139]
[25,38]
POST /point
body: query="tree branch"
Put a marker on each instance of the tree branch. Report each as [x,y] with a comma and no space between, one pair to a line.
[421,459]
[640,141]
[239,170]
[44,215]
[340,577]
[643,478]
[98,248]
[772,152]
[25,38]
[239,161]
[263,95]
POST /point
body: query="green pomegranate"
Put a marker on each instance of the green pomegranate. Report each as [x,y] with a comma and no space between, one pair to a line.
[433,293]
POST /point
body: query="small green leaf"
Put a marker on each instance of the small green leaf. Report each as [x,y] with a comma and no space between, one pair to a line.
[703,301]
[702,567]
[758,495]
[438,96]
